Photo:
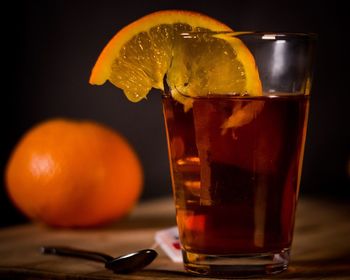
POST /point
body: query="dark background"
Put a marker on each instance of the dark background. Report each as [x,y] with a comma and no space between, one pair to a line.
[51,46]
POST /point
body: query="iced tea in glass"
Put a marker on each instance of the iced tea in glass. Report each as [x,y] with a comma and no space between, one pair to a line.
[236,162]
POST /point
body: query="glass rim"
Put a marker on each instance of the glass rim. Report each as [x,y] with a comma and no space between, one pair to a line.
[262,35]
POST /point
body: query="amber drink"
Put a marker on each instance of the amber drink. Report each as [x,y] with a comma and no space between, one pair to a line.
[236,164]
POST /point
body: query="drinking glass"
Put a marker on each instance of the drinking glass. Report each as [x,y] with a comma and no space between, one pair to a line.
[236,160]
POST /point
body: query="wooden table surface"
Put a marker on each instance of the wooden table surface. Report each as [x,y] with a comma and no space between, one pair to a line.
[321,248]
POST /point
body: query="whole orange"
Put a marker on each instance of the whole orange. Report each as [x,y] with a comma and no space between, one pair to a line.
[73,174]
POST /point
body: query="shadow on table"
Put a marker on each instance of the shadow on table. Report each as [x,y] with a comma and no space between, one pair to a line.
[167,274]
[317,269]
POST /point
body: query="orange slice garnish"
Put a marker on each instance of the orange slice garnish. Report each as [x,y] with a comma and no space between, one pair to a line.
[139,56]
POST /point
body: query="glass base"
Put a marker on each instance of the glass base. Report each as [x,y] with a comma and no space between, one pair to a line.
[228,266]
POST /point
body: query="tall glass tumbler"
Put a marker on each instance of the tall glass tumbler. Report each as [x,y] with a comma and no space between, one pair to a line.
[236,159]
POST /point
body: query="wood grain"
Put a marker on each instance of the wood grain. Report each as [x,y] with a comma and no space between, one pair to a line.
[321,248]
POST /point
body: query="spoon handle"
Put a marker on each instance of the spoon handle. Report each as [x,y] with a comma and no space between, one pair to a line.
[78,253]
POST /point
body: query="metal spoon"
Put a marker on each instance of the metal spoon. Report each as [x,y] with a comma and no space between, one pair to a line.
[122,264]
